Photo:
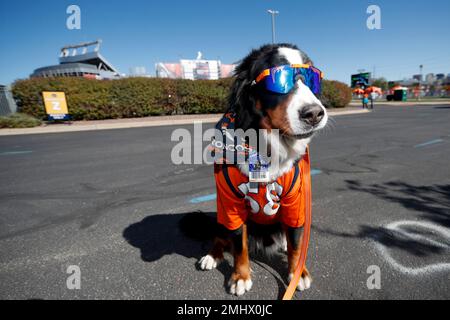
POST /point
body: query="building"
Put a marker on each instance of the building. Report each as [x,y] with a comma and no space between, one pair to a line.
[430,78]
[78,61]
[198,69]
[138,72]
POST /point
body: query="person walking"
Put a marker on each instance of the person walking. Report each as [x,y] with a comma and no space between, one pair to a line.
[373,96]
[365,101]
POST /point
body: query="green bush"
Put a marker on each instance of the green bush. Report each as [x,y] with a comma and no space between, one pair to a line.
[19,120]
[140,97]
[124,98]
[335,94]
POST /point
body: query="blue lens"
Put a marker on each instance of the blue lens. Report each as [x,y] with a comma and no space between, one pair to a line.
[280,79]
[312,79]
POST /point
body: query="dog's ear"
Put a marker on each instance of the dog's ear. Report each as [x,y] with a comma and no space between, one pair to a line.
[242,100]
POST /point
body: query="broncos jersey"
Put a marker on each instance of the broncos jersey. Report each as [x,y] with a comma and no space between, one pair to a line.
[279,201]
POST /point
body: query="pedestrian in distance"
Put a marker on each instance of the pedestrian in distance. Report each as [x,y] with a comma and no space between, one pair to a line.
[373,96]
[365,101]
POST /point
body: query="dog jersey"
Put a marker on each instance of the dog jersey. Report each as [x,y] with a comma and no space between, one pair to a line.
[279,201]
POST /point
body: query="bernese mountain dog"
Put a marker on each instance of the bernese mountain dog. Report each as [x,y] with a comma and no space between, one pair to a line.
[275,87]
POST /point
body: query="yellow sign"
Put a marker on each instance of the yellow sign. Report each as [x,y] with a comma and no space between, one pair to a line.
[55,105]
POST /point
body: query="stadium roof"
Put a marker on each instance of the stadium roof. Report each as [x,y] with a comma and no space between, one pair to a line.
[73,63]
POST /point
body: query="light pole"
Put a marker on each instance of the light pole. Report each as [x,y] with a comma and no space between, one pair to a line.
[420,82]
[273,13]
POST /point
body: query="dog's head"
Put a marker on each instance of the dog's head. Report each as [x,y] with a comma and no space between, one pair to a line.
[298,113]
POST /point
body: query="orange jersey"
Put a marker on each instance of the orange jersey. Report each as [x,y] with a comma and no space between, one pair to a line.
[278,201]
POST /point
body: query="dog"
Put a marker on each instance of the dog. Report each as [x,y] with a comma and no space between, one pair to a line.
[275,87]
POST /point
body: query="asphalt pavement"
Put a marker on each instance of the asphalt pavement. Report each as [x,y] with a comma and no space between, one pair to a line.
[109,203]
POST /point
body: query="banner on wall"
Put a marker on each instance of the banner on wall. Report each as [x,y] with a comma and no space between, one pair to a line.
[200,69]
[195,70]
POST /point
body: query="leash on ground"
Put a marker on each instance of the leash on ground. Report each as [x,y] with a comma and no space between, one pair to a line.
[306,171]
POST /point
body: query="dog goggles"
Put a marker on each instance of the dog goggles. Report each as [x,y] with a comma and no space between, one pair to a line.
[282,79]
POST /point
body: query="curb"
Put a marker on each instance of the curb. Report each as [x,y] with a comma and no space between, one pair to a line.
[167,121]
[347,112]
[404,104]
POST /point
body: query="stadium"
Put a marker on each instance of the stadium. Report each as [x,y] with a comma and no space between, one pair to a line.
[87,64]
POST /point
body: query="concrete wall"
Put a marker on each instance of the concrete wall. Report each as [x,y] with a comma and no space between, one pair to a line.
[7,103]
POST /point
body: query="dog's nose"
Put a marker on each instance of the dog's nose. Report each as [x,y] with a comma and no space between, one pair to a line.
[312,114]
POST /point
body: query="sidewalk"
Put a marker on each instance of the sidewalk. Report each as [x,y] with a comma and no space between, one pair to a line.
[77,126]
[406,103]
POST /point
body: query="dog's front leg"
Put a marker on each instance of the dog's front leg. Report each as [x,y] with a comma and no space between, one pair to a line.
[215,255]
[240,281]
[293,236]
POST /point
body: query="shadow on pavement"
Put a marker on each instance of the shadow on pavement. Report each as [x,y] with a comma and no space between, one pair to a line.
[190,235]
[391,239]
[431,202]
[159,235]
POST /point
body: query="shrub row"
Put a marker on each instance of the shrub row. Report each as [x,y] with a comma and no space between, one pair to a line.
[141,97]
[19,120]
[335,94]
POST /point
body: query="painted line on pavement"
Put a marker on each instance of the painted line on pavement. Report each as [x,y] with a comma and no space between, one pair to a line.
[13,153]
[402,230]
[428,143]
[209,197]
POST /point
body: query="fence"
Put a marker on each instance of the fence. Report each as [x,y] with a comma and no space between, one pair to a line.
[7,103]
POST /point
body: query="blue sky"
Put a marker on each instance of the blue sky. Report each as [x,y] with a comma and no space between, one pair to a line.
[142,32]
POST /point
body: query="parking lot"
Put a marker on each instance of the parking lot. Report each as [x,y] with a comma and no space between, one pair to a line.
[110,201]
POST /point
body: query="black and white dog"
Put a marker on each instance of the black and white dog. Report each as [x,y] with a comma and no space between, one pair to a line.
[298,115]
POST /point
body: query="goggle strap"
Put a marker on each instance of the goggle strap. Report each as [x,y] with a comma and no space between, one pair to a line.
[263,74]
[305,66]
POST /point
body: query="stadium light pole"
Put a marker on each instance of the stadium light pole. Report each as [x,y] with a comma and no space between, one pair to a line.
[273,13]
[420,82]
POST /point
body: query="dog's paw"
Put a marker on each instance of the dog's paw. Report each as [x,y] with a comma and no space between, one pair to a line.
[239,286]
[208,262]
[304,282]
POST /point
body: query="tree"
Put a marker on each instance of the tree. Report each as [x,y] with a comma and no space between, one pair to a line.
[380,83]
